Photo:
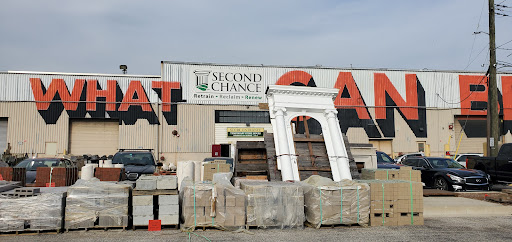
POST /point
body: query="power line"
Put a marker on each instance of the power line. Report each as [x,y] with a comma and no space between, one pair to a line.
[470,93]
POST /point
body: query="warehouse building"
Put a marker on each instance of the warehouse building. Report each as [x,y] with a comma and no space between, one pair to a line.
[193,106]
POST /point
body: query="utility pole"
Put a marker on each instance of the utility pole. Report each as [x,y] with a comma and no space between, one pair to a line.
[492,111]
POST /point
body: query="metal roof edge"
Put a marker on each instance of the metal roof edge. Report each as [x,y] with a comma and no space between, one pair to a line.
[324,67]
[77,74]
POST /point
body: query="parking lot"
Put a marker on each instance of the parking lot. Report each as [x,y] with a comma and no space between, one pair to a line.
[435,229]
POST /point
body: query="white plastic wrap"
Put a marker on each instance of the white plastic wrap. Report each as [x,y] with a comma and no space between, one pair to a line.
[274,204]
[330,203]
[94,203]
[42,212]
[212,205]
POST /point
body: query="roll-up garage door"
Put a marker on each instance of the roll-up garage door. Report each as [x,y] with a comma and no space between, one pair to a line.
[473,135]
[3,135]
[94,137]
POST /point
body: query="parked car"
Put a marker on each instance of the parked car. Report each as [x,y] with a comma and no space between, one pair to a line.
[462,158]
[499,167]
[136,162]
[31,165]
[403,157]
[386,162]
[447,174]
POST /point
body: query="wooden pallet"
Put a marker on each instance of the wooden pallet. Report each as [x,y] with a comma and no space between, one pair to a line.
[96,228]
[331,226]
[30,232]
[163,226]
[154,192]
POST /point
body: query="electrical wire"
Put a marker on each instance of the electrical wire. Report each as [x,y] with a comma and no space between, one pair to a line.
[470,93]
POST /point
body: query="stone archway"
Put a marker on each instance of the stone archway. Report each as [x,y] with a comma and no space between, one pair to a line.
[288,102]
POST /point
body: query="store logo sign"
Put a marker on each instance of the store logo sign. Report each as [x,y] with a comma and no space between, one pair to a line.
[202,79]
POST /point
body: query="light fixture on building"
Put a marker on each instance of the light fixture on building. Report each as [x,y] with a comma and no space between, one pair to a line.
[175,133]
[124,68]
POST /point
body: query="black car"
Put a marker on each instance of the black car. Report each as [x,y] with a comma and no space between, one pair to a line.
[447,174]
[136,162]
[31,165]
[386,162]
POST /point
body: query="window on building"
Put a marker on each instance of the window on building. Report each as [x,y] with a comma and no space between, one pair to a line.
[228,116]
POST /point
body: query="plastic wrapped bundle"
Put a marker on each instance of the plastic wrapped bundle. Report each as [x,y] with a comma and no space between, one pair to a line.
[94,203]
[212,205]
[274,204]
[42,212]
[330,203]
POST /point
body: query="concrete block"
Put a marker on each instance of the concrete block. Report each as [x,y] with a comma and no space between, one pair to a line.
[169,209]
[169,219]
[45,223]
[113,221]
[142,200]
[142,219]
[143,210]
[168,199]
[76,224]
[167,182]
[145,184]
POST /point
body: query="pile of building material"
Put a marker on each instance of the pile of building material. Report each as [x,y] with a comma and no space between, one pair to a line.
[94,203]
[211,205]
[56,176]
[169,209]
[212,167]
[36,213]
[395,202]
[332,203]
[155,197]
[405,173]
[274,204]
[109,174]
[13,174]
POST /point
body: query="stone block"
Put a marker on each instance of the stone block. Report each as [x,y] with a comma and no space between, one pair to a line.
[169,219]
[113,221]
[168,199]
[145,184]
[167,182]
[143,210]
[169,209]
[142,200]
[139,220]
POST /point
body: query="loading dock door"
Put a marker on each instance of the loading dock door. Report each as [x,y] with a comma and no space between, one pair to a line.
[94,137]
[3,135]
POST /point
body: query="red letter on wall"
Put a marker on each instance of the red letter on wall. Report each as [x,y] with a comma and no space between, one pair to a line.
[382,85]
[69,101]
[355,101]
[109,94]
[294,77]
[165,88]
[467,96]
[135,87]
[506,87]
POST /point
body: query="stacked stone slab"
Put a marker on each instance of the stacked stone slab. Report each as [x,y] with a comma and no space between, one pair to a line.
[146,183]
[42,212]
[167,182]
[142,210]
[274,204]
[219,205]
[405,173]
[169,209]
[94,203]
[331,203]
[395,202]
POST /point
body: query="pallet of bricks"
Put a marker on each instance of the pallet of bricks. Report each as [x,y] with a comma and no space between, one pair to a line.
[43,212]
[56,176]
[218,205]
[13,174]
[397,199]
[335,203]
[96,204]
[155,198]
[274,204]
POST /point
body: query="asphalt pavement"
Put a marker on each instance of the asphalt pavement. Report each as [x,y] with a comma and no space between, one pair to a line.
[435,229]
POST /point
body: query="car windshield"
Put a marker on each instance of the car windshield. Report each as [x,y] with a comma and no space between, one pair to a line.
[133,159]
[384,158]
[444,163]
[32,164]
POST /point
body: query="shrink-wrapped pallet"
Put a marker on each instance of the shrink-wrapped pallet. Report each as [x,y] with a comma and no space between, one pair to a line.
[42,212]
[212,205]
[331,203]
[274,204]
[94,203]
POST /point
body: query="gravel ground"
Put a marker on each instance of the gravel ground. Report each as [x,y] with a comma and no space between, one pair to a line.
[435,229]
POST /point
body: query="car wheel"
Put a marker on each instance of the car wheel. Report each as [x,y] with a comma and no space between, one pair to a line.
[441,184]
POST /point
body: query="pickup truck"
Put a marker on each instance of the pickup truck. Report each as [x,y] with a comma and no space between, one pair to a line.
[499,167]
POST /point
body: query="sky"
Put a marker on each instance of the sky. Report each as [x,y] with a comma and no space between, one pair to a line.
[96,36]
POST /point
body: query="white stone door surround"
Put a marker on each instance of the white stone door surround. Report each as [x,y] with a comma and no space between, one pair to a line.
[288,102]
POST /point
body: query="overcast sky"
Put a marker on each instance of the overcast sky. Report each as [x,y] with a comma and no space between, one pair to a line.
[97,36]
